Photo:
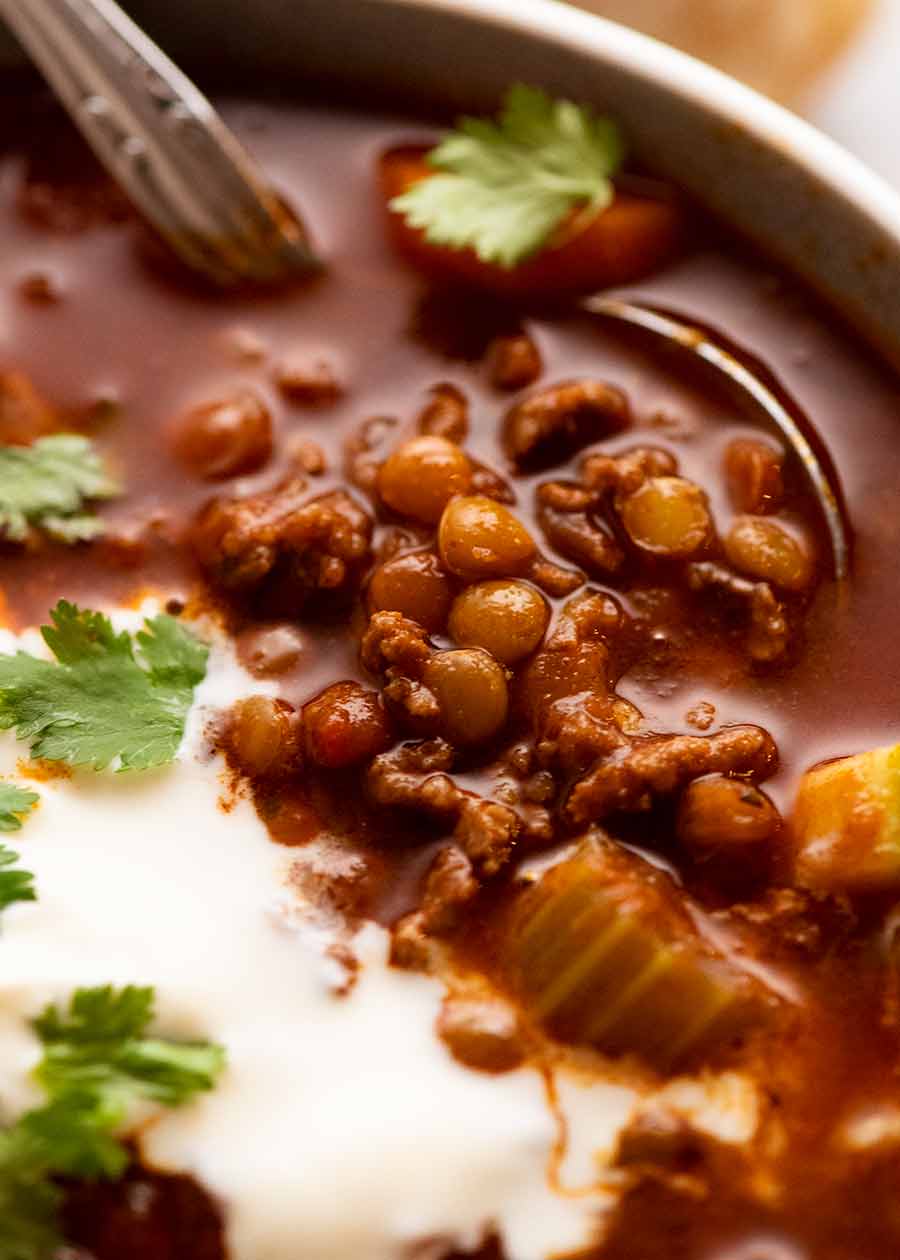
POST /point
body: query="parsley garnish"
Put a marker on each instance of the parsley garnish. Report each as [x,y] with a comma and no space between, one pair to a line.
[99,1047]
[29,1201]
[15,885]
[14,802]
[107,696]
[48,484]
[97,1063]
[505,187]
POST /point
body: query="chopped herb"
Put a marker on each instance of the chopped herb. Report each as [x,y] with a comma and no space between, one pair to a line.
[48,485]
[97,1063]
[29,1201]
[74,1136]
[99,1046]
[107,697]
[505,186]
[14,803]
[15,885]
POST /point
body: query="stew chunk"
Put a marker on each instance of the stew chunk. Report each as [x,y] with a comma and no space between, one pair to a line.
[282,548]
[846,824]
[605,953]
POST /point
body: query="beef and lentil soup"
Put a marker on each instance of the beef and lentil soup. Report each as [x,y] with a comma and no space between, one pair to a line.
[505,853]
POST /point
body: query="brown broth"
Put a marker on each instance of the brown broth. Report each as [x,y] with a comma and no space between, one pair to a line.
[155,347]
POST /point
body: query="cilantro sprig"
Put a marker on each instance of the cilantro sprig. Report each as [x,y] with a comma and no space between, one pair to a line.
[97,1063]
[15,884]
[49,484]
[29,1201]
[107,697]
[98,1047]
[504,187]
[15,803]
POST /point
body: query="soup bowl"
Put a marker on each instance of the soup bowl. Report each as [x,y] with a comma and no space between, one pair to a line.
[802,198]
[323,1084]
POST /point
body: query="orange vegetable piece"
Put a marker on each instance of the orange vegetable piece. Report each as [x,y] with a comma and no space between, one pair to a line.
[630,239]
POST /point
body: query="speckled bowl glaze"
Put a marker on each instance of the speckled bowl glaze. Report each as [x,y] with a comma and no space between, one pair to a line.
[802,198]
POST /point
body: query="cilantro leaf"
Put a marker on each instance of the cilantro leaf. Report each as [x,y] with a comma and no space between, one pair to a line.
[99,1046]
[14,802]
[505,186]
[97,1062]
[48,483]
[15,885]
[74,1136]
[103,699]
[96,1017]
[29,1201]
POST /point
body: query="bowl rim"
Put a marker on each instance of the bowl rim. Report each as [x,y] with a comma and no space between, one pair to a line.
[811,206]
[697,81]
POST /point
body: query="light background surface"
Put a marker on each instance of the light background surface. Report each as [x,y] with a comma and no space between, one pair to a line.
[858,100]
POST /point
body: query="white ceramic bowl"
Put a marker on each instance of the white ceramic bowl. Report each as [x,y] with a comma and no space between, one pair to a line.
[801,197]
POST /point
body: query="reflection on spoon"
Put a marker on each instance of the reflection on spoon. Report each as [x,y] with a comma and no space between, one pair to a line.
[746,380]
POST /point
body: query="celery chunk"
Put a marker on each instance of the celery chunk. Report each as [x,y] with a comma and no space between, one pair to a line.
[605,952]
[846,824]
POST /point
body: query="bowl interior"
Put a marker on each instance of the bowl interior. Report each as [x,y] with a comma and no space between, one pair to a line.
[805,201]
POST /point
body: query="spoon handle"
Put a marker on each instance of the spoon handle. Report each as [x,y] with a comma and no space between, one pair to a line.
[161,139]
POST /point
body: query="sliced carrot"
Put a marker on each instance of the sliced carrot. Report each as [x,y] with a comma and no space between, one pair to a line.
[630,239]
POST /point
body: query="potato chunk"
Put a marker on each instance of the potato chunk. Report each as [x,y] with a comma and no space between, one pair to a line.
[605,953]
[846,824]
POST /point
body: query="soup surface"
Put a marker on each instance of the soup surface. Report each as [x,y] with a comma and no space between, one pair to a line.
[488,855]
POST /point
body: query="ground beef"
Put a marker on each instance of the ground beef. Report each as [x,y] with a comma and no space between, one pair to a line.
[554,579]
[282,548]
[414,776]
[394,642]
[446,414]
[657,765]
[566,691]
[482,1032]
[513,361]
[450,886]
[550,425]
[570,528]
[486,831]
[624,474]
[449,889]
[767,632]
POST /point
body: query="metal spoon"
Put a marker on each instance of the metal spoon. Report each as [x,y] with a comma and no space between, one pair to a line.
[745,379]
[162,141]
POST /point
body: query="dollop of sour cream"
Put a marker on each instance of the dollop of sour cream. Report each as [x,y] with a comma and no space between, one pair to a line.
[342,1128]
